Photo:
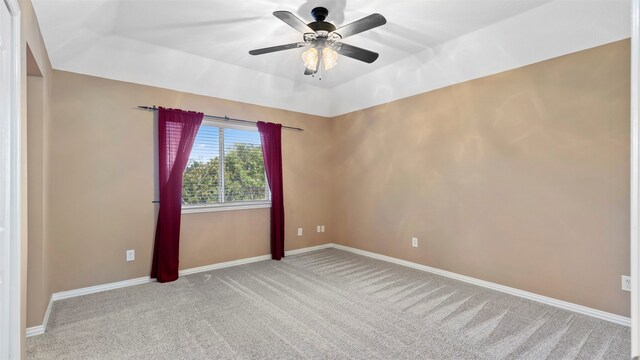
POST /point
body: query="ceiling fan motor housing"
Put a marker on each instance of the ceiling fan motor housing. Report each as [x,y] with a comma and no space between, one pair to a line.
[321,26]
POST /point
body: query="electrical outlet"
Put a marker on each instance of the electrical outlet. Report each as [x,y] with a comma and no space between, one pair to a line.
[318,228]
[414,242]
[321,228]
[131,255]
[626,283]
[299,231]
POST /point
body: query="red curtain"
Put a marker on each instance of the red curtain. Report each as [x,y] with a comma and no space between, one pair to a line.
[177,131]
[270,135]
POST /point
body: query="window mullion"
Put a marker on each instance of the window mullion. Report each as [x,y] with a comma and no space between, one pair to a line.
[221,164]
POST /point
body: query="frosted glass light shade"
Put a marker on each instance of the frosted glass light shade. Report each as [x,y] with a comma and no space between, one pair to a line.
[329,57]
[310,58]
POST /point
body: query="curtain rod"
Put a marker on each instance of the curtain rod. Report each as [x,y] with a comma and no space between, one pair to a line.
[225,118]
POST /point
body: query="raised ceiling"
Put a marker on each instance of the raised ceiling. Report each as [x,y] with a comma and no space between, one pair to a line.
[202,46]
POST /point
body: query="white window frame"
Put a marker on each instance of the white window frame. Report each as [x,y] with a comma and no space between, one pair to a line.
[11,315]
[229,206]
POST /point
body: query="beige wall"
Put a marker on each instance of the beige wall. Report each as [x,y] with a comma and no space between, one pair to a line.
[38,282]
[32,43]
[521,178]
[102,183]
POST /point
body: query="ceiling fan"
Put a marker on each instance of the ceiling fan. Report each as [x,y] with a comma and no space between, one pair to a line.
[324,40]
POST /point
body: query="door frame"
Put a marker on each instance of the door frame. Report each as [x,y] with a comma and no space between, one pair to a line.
[13,297]
[635,179]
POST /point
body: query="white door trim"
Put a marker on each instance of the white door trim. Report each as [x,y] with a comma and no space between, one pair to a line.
[635,180]
[13,277]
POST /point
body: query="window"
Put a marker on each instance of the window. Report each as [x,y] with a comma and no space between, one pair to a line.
[225,170]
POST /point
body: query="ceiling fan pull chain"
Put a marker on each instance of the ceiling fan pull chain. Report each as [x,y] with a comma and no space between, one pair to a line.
[320,65]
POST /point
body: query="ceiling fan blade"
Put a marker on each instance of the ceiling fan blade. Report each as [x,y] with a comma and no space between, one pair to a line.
[277,48]
[358,26]
[355,52]
[293,21]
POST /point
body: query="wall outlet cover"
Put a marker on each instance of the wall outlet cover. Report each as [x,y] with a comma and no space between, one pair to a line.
[131,255]
[414,242]
[299,231]
[321,228]
[626,283]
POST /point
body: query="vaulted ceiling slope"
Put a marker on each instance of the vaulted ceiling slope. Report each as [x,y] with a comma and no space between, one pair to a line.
[201,46]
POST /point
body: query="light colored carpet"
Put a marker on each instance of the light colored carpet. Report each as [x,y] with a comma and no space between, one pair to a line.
[328,304]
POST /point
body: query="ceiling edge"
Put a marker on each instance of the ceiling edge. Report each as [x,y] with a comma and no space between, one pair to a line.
[554,29]
[194,74]
[567,27]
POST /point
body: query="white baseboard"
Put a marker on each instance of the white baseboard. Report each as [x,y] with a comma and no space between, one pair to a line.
[35,330]
[307,249]
[622,320]
[45,321]
[225,264]
[40,329]
[249,260]
[99,288]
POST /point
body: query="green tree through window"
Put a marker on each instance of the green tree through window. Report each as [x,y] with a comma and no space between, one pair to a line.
[244,176]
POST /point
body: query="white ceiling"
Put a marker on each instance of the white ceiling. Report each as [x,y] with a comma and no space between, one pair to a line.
[201,46]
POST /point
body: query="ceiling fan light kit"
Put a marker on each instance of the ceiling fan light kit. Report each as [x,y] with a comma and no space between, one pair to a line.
[323,40]
[310,58]
[329,58]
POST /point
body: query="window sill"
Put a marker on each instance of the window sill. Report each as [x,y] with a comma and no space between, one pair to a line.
[226,207]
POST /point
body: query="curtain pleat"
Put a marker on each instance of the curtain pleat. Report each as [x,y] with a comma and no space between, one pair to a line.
[177,130]
[270,134]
